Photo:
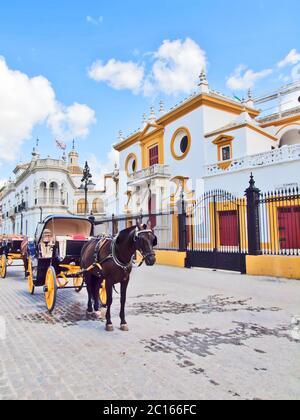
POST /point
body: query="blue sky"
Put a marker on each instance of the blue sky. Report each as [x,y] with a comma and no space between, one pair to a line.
[60,40]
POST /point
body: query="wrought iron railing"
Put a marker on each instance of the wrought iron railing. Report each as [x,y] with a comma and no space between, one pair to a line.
[279,214]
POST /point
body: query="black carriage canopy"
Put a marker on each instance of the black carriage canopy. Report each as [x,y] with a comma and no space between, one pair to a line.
[70,226]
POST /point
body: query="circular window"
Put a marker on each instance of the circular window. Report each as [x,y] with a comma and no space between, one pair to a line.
[184,144]
[181,143]
[131,164]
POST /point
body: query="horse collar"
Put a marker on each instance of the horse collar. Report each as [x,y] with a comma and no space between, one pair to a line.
[125,267]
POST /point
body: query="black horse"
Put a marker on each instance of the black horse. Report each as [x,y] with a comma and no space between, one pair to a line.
[112,260]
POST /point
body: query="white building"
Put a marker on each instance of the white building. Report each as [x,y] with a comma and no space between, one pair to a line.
[209,141]
[49,186]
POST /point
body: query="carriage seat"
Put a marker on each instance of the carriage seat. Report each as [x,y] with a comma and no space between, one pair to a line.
[65,243]
[62,244]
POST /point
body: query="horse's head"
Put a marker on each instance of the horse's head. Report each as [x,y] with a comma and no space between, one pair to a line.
[145,240]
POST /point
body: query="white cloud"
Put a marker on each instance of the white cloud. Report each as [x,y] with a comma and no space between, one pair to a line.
[26,102]
[70,122]
[118,74]
[244,78]
[292,58]
[95,21]
[177,67]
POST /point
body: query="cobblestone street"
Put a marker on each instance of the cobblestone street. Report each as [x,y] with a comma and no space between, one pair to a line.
[194,334]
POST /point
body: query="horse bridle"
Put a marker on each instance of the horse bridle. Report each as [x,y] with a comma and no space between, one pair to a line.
[136,237]
[113,256]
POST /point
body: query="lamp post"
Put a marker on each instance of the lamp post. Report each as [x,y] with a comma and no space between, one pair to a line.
[87,184]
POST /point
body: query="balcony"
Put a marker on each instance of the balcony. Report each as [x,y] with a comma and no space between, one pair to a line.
[273,157]
[49,202]
[153,172]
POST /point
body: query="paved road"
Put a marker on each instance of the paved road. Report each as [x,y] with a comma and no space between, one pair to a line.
[193,335]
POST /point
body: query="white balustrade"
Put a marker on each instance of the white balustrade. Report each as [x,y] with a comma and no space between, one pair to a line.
[273,157]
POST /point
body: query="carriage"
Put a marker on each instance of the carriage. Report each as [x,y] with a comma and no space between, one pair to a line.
[10,253]
[54,257]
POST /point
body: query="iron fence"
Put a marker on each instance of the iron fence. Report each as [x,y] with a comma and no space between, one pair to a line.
[218,222]
[279,215]
[219,230]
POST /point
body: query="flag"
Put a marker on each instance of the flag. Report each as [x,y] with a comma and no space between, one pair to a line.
[61,145]
[237,98]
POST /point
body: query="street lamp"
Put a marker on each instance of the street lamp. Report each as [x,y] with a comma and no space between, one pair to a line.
[87,184]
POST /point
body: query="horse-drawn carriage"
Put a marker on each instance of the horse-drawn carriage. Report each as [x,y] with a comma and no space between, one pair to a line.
[10,252]
[54,256]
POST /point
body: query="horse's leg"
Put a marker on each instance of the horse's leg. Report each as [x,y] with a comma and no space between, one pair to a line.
[124,285]
[89,285]
[109,291]
[96,290]
[25,261]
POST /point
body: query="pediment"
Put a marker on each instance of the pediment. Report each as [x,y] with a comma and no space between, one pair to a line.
[150,128]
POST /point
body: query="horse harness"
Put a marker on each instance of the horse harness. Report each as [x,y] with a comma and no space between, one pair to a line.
[113,252]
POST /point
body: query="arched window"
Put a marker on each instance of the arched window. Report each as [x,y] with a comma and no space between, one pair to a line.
[290,138]
[43,193]
[98,206]
[81,206]
[53,192]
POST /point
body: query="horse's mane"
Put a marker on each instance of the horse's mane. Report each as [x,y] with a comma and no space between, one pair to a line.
[125,233]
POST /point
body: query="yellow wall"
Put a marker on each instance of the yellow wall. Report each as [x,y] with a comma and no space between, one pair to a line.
[274,266]
[171,258]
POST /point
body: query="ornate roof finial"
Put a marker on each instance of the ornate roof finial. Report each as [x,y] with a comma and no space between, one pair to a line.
[203,76]
[35,152]
[152,117]
[204,87]
[249,102]
[145,121]
[161,107]
[121,137]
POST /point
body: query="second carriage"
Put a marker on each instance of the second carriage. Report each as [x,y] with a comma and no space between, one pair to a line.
[10,253]
[54,257]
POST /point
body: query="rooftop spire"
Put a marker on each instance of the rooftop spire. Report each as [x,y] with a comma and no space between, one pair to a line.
[152,117]
[161,107]
[35,152]
[249,101]
[121,137]
[144,123]
[203,85]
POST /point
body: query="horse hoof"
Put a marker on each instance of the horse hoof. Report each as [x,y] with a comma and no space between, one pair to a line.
[89,313]
[109,328]
[124,328]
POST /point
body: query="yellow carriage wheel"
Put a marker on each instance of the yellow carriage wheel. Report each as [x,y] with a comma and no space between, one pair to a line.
[3,266]
[30,277]
[50,289]
[103,294]
[78,283]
